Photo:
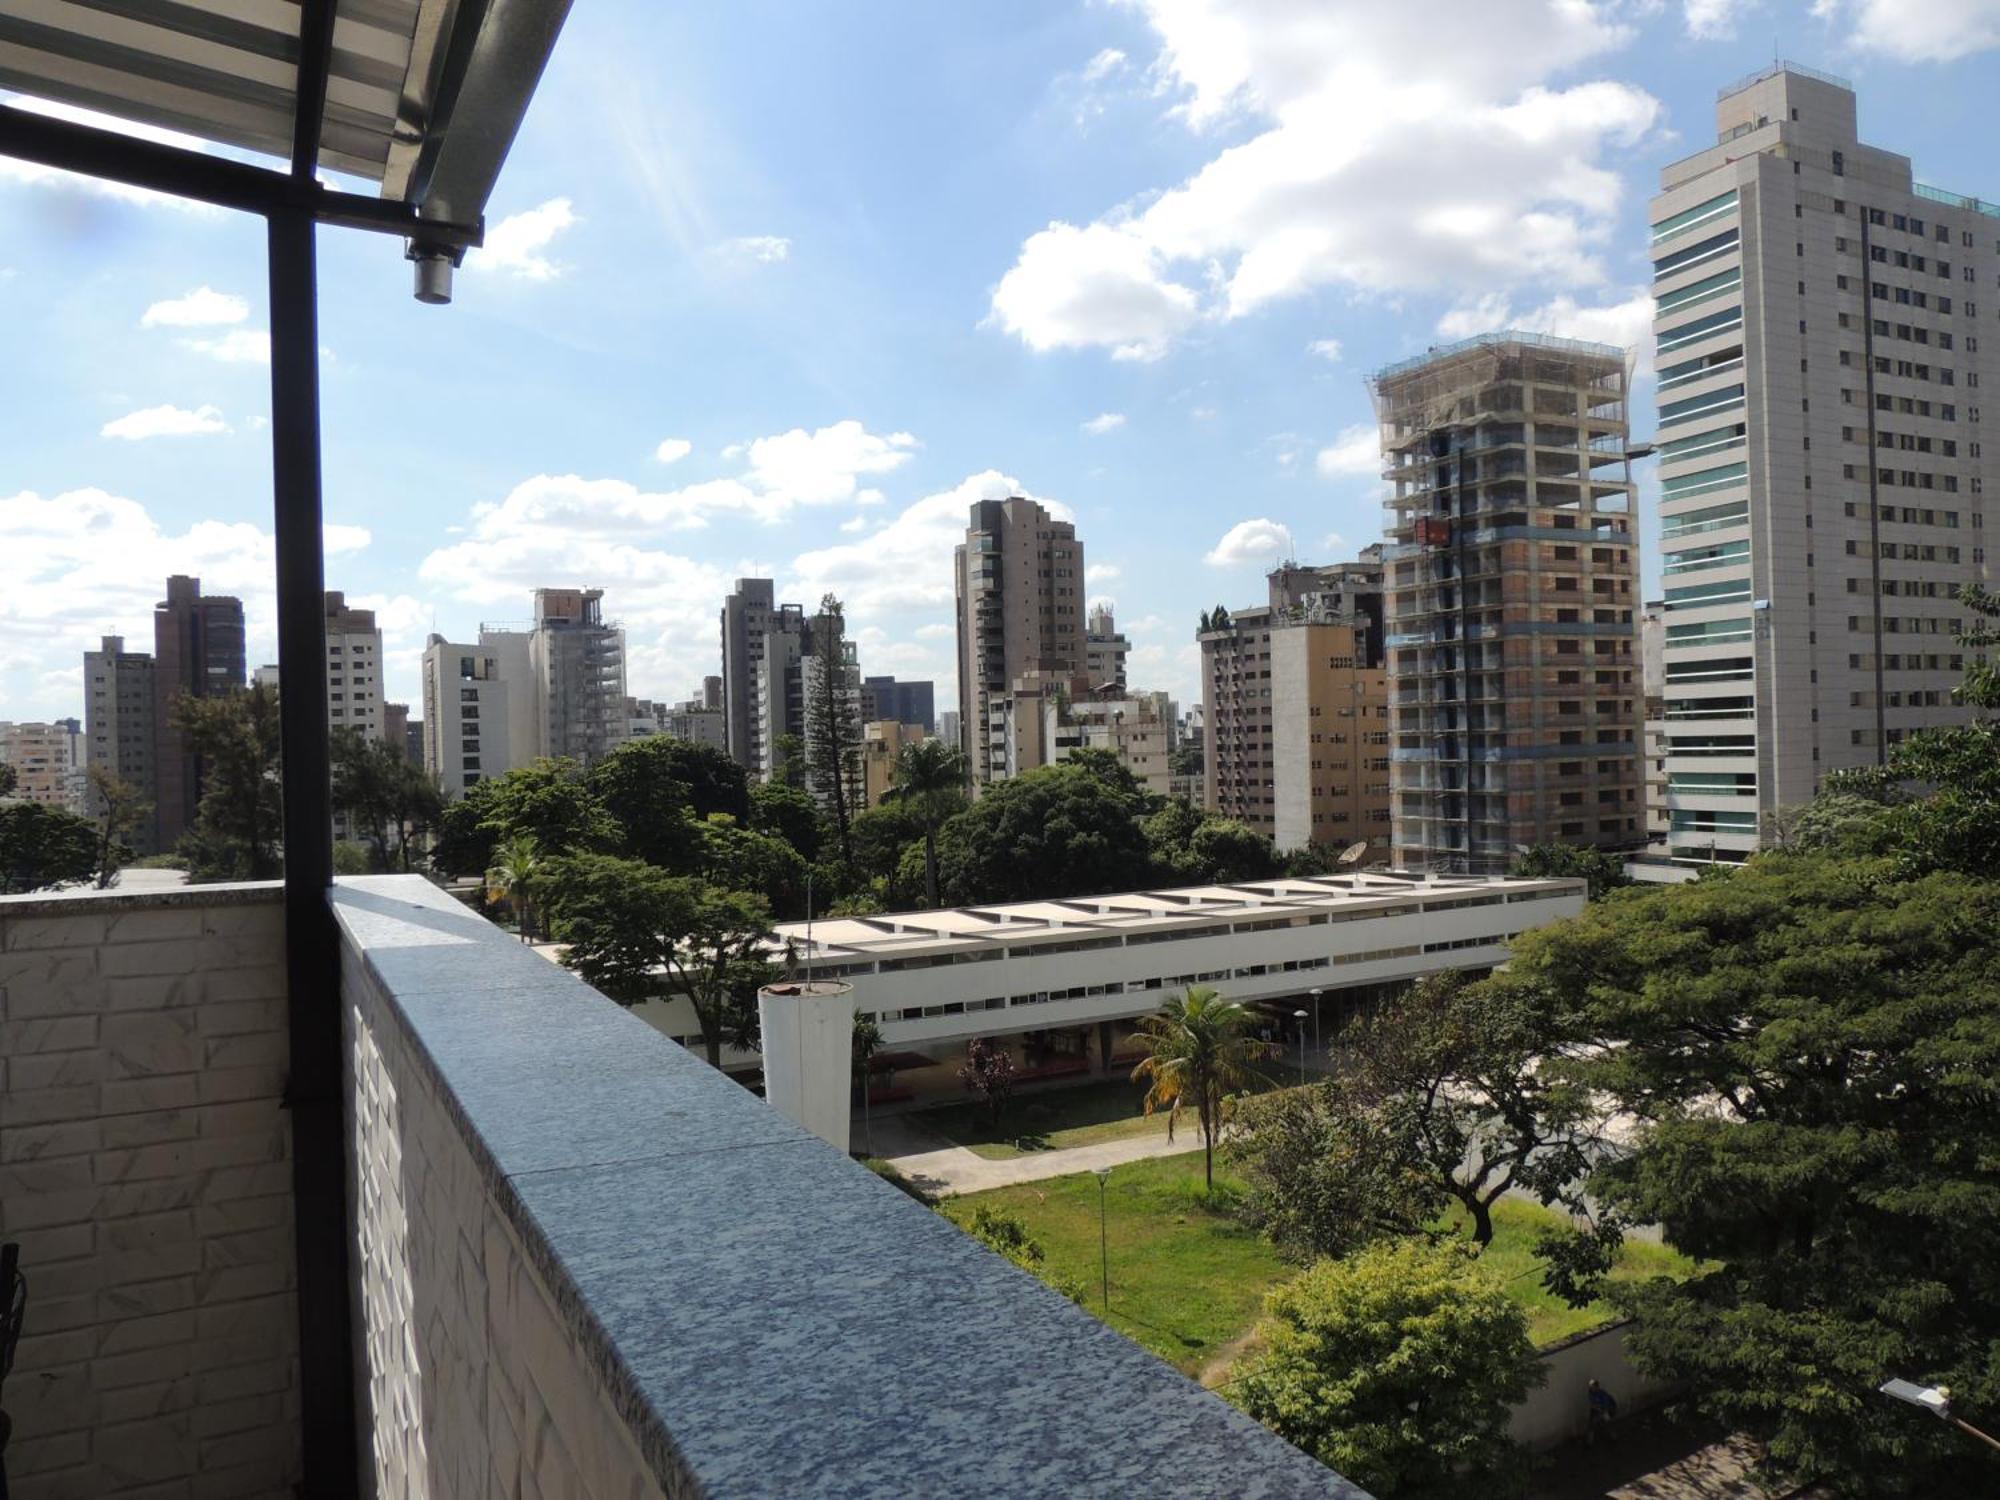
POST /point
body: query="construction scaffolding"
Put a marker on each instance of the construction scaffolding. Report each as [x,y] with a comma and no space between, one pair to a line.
[1512,574]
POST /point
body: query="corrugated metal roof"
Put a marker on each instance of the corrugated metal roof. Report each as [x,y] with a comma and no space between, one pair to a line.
[399,79]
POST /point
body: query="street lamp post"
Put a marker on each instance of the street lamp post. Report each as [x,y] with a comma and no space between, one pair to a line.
[1318,1045]
[1103,1175]
[1936,1400]
[1300,1017]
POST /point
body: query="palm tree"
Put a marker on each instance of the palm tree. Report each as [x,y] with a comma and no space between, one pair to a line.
[513,876]
[930,780]
[1198,1051]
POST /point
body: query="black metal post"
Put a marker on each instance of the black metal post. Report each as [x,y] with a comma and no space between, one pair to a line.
[312,949]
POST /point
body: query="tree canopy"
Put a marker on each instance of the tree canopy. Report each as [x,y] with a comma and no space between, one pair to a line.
[1812,1046]
[1061,830]
[238,833]
[42,847]
[1396,1367]
[550,801]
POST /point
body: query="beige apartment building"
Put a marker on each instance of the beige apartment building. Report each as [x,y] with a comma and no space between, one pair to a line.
[1294,702]
[1826,339]
[1046,718]
[1019,581]
[43,758]
[882,740]
[1513,675]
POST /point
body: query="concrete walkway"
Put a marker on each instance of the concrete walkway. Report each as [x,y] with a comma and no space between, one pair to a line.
[954,1170]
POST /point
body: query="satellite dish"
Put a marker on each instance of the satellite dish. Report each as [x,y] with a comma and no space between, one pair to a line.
[1352,853]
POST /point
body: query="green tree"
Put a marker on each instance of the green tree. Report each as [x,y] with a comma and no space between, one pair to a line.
[659,789]
[1397,1367]
[1227,852]
[43,847]
[1324,1181]
[1603,869]
[9,778]
[514,876]
[122,809]
[238,833]
[929,782]
[833,725]
[881,836]
[1198,1051]
[1061,830]
[789,813]
[635,931]
[1449,1077]
[1812,1045]
[387,799]
[788,761]
[549,800]
[741,859]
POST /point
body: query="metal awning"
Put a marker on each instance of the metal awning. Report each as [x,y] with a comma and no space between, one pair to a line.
[422,97]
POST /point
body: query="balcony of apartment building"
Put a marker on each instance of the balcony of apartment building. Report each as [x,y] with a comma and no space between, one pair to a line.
[336,1189]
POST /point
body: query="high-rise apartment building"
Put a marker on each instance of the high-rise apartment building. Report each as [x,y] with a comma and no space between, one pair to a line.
[777,695]
[746,615]
[1826,341]
[579,666]
[41,757]
[887,700]
[353,668]
[1046,719]
[396,729]
[1019,576]
[1294,728]
[469,721]
[120,733]
[1513,669]
[198,652]
[1104,649]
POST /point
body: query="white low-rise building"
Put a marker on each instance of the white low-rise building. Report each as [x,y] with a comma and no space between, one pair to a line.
[934,979]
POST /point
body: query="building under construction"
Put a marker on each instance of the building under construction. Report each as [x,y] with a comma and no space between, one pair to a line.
[1512,574]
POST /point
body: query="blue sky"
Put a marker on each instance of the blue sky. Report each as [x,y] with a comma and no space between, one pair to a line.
[781,287]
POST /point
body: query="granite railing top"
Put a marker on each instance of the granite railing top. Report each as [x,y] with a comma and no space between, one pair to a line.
[768,1317]
[86,900]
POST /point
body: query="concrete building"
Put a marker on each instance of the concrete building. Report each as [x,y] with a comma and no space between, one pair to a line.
[353,668]
[1104,649]
[1292,723]
[1019,583]
[697,721]
[746,615]
[905,702]
[198,652]
[1513,672]
[396,729]
[1652,674]
[578,663]
[43,758]
[1046,719]
[1824,490]
[948,728]
[882,740]
[120,734]
[777,697]
[469,717]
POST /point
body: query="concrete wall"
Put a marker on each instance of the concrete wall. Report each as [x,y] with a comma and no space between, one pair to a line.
[1559,1409]
[145,1171]
[471,1381]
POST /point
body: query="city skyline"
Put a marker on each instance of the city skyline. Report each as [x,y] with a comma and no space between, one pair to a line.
[1007,360]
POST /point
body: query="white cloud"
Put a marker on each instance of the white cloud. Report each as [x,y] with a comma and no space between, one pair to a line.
[516,244]
[85,564]
[822,467]
[854,524]
[1916,30]
[1384,162]
[1333,541]
[239,346]
[673,450]
[1102,66]
[1258,540]
[338,539]
[165,421]
[1356,453]
[1201,413]
[1103,422]
[761,249]
[1101,572]
[1713,20]
[1326,349]
[201,308]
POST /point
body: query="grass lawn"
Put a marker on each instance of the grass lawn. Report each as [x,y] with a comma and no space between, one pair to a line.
[1187,1279]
